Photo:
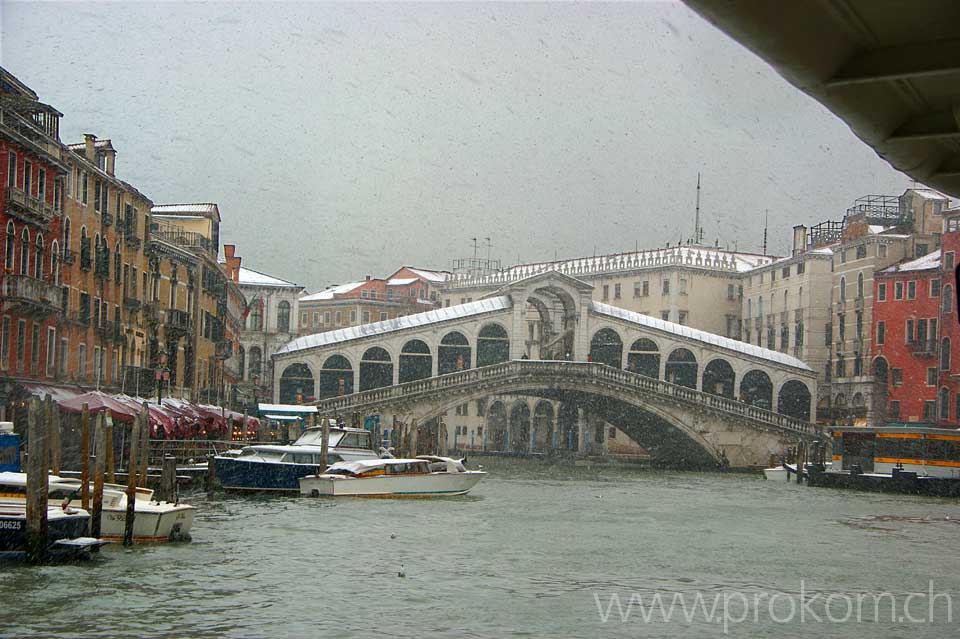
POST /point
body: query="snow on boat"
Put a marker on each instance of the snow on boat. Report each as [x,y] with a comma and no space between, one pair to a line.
[154,520]
[66,528]
[425,476]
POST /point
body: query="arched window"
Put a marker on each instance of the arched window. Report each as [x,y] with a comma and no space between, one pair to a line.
[256,320]
[117,264]
[242,355]
[256,357]
[283,317]
[38,258]
[493,345]
[336,377]
[946,299]
[644,358]
[860,286]
[55,261]
[945,354]
[66,233]
[843,289]
[606,347]
[681,368]
[25,252]
[9,245]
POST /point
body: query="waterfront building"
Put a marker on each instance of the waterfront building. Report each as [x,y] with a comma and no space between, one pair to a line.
[192,292]
[408,290]
[878,232]
[786,305]
[907,315]
[31,213]
[268,322]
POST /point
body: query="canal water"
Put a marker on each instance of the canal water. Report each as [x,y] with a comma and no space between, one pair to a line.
[536,550]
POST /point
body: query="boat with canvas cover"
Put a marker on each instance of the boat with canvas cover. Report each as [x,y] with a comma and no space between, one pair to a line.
[424,476]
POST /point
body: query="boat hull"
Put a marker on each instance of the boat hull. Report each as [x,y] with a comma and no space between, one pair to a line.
[260,476]
[775,474]
[432,485]
[172,523]
[60,526]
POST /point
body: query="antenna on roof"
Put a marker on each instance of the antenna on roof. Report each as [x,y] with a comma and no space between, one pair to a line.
[696,221]
[766,215]
[474,249]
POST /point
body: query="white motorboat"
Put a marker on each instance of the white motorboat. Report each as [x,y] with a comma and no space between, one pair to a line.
[154,520]
[425,476]
[777,473]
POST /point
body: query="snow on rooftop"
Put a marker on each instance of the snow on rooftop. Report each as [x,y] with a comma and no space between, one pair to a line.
[435,316]
[696,334]
[928,261]
[249,276]
[432,276]
[930,194]
[401,281]
[329,292]
[189,209]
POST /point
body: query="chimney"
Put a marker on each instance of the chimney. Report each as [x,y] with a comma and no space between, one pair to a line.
[368,278]
[799,239]
[111,162]
[89,147]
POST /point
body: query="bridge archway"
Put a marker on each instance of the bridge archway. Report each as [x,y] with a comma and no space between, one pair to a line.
[794,400]
[681,368]
[644,358]
[543,431]
[336,377]
[376,369]
[296,384]
[719,378]
[520,427]
[416,362]
[496,427]
[756,389]
[493,345]
[606,347]
[453,353]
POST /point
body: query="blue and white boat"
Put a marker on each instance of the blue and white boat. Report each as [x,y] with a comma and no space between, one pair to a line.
[277,468]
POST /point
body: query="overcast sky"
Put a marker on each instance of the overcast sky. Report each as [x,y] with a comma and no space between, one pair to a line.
[349,139]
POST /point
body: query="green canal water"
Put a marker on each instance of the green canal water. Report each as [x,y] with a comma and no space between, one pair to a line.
[536,550]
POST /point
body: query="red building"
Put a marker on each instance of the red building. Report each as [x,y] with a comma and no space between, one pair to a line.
[31,205]
[949,392]
[907,320]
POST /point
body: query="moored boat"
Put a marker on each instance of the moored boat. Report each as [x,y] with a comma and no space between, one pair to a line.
[425,476]
[66,531]
[276,468]
[154,520]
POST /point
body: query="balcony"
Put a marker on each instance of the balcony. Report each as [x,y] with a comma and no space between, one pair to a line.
[107,219]
[27,208]
[151,313]
[923,347]
[110,331]
[68,256]
[178,323]
[130,300]
[78,318]
[186,239]
[224,349]
[29,296]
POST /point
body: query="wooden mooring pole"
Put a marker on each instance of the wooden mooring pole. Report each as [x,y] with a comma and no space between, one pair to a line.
[108,457]
[37,483]
[144,445]
[324,444]
[51,416]
[96,512]
[168,479]
[85,457]
[132,481]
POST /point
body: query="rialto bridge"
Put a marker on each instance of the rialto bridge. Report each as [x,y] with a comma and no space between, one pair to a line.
[687,396]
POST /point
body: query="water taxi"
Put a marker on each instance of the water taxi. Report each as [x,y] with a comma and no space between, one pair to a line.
[424,476]
[916,460]
[154,520]
[276,468]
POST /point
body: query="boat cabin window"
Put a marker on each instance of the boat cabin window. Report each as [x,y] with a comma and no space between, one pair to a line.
[299,458]
[314,437]
[355,440]
[247,452]
[899,448]
[271,455]
[401,469]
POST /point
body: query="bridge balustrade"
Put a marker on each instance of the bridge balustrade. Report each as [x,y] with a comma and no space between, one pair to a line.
[593,371]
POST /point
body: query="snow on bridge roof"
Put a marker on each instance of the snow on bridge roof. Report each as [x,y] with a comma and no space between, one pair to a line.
[388,326]
[693,333]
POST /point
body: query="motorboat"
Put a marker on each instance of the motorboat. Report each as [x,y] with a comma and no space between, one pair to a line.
[776,473]
[278,468]
[154,520]
[424,476]
[66,531]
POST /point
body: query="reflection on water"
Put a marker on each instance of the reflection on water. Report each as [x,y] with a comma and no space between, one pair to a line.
[524,554]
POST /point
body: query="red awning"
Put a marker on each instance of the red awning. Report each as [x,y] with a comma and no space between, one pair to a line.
[98,402]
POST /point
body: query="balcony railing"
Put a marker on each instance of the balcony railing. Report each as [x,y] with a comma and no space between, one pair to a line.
[107,219]
[224,349]
[78,317]
[187,239]
[68,256]
[923,347]
[31,296]
[151,312]
[110,330]
[178,322]
[29,208]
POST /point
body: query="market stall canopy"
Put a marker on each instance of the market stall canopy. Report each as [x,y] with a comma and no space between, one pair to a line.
[286,408]
[98,402]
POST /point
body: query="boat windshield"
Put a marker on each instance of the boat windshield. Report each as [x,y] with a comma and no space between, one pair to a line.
[314,437]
